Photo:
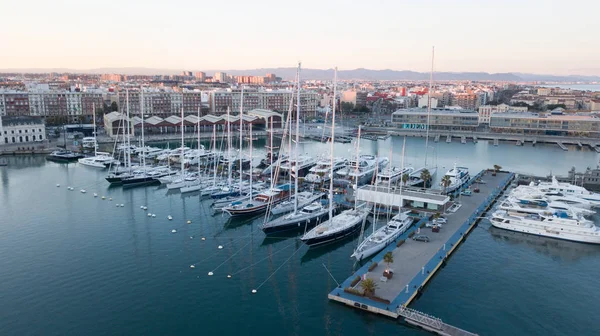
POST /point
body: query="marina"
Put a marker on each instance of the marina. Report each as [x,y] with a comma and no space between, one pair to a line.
[415,262]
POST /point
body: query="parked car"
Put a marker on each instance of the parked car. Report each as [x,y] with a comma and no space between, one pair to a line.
[440,221]
[421,238]
[466,192]
[431,224]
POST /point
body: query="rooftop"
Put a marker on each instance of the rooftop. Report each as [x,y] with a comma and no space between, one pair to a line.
[436,111]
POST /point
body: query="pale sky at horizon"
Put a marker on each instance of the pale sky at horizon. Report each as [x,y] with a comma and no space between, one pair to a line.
[550,37]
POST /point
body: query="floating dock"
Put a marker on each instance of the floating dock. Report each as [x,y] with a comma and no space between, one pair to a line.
[416,262]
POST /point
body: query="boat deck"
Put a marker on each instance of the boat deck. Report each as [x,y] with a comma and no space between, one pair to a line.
[416,262]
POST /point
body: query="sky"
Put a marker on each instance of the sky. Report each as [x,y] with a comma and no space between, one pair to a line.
[534,36]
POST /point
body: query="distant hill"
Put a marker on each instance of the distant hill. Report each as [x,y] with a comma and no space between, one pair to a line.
[327,74]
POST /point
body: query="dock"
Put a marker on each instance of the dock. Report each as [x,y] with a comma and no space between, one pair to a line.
[562,146]
[448,139]
[463,139]
[579,144]
[597,149]
[437,138]
[496,141]
[416,262]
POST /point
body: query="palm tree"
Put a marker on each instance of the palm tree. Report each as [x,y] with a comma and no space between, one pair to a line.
[369,286]
[496,169]
[388,258]
[404,179]
[446,182]
[425,176]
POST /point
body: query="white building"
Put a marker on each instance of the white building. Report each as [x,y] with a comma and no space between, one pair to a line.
[23,129]
[423,101]
[486,111]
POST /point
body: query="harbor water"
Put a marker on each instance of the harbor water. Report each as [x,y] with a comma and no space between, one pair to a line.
[75,264]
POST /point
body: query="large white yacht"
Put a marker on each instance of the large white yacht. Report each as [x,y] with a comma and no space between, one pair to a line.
[562,189]
[361,171]
[320,173]
[391,175]
[301,165]
[553,226]
[458,177]
[304,198]
[383,236]
[101,160]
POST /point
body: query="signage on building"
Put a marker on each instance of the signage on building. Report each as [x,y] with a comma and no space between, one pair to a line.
[414,126]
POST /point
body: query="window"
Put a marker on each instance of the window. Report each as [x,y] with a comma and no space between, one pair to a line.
[33,130]
[19,131]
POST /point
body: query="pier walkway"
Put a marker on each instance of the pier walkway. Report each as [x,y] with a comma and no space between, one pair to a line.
[430,323]
[416,262]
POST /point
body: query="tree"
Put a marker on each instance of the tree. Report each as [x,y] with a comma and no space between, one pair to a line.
[554,106]
[114,107]
[388,258]
[369,286]
[521,104]
[347,106]
[426,177]
[497,168]
[405,178]
[446,181]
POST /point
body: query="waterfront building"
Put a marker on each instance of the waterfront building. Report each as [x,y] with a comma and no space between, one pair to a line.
[439,119]
[578,125]
[487,110]
[22,129]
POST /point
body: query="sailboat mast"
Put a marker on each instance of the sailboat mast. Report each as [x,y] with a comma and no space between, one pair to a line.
[142,114]
[271,149]
[331,145]
[182,145]
[215,157]
[241,137]
[429,105]
[94,117]
[297,140]
[198,130]
[250,131]
[128,159]
[228,149]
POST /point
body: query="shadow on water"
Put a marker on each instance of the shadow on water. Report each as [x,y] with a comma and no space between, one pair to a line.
[554,248]
[281,236]
[235,222]
[319,251]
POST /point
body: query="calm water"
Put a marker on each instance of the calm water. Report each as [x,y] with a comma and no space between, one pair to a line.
[73,264]
[588,87]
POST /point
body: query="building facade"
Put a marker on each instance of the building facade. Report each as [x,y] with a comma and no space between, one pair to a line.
[22,129]
[441,119]
[545,124]
[487,110]
[161,104]
[14,103]
[275,100]
[357,98]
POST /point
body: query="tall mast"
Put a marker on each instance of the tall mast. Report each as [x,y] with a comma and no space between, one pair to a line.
[271,149]
[94,117]
[228,149]
[250,130]
[331,145]
[215,157]
[182,144]
[241,138]
[128,159]
[297,141]
[142,114]
[198,130]
[429,105]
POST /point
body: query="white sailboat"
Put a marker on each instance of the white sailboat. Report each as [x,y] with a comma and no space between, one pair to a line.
[100,159]
[344,224]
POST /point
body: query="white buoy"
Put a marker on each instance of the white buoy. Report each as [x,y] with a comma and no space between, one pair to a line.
[110,199]
[191,237]
[169,217]
[57,185]
[142,207]
[229,276]
[192,266]
[103,197]
[189,222]
[173,231]
[203,238]
[153,215]
[145,208]
[95,195]
[210,273]
[254,291]
[220,247]
[149,214]
[82,191]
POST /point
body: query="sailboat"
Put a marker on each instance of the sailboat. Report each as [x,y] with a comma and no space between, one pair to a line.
[183,178]
[386,234]
[100,159]
[346,223]
[415,177]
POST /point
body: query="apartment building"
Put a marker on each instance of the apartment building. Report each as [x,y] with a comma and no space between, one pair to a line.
[357,98]
[14,103]
[275,100]
[487,110]
[76,106]
[160,103]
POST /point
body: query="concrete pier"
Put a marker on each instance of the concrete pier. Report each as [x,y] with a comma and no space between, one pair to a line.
[562,146]
[416,262]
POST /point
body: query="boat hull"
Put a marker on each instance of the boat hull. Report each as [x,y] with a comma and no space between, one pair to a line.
[339,235]
[541,231]
[280,224]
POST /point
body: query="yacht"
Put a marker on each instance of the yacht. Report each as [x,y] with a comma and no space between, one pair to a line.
[304,218]
[304,198]
[101,160]
[361,171]
[553,226]
[415,180]
[383,236]
[568,189]
[336,228]
[299,166]
[64,156]
[260,203]
[89,142]
[392,174]
[458,177]
[147,177]
[527,193]
[320,173]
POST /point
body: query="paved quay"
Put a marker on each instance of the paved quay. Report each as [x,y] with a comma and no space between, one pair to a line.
[416,262]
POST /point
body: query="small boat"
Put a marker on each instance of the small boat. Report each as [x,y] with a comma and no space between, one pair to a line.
[64,156]
[100,160]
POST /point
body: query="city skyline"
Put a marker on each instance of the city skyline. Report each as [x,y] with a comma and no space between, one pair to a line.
[468,36]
